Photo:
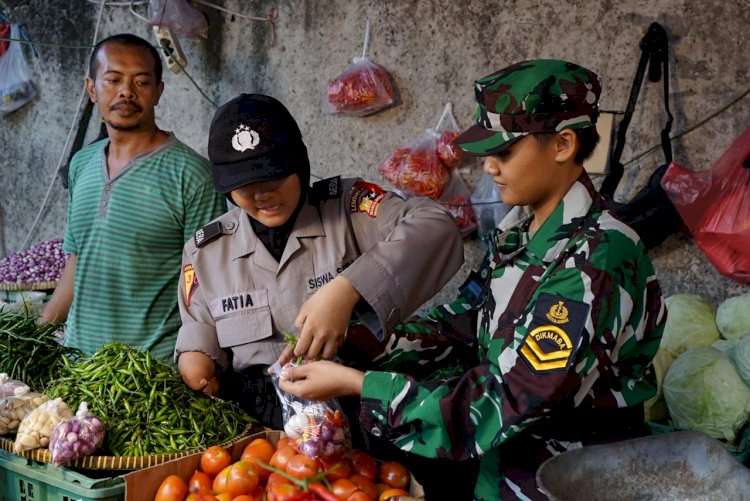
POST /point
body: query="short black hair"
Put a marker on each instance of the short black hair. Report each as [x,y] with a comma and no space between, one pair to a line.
[588,138]
[126,39]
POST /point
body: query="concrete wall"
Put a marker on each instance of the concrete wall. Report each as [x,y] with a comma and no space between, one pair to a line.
[434,51]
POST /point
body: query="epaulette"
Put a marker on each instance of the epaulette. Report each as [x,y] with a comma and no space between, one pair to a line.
[326,189]
[207,233]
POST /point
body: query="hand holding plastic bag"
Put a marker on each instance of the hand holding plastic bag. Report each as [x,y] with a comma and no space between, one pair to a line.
[318,429]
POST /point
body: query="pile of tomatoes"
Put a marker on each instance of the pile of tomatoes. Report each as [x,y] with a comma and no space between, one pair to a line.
[278,472]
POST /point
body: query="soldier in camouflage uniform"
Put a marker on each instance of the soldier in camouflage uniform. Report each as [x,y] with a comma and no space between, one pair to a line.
[565,311]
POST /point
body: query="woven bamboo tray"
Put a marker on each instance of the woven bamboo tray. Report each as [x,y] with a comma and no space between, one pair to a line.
[118,462]
[35,286]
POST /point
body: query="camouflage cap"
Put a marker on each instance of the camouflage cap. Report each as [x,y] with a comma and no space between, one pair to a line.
[541,95]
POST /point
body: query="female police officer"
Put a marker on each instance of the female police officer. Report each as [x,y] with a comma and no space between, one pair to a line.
[296,259]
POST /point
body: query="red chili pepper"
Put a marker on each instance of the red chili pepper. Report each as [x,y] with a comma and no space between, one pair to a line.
[322,492]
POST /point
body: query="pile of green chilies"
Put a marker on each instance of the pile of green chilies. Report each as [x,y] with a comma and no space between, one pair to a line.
[30,352]
[146,407]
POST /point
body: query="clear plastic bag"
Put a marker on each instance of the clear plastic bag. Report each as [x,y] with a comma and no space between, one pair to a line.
[16,86]
[10,387]
[76,437]
[14,408]
[416,169]
[36,427]
[318,429]
[456,197]
[362,89]
[488,206]
[448,131]
[715,206]
[179,17]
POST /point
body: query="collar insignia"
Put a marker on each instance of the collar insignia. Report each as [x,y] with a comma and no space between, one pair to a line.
[558,313]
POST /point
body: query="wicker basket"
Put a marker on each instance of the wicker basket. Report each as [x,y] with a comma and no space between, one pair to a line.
[35,286]
[118,462]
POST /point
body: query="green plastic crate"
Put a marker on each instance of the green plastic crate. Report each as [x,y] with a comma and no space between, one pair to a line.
[24,479]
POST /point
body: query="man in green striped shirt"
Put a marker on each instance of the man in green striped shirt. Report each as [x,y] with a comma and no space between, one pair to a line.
[133,201]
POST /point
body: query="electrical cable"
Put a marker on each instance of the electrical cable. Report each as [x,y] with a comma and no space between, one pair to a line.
[65,146]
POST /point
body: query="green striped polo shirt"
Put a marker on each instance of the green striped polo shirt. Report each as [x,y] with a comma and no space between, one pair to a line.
[128,233]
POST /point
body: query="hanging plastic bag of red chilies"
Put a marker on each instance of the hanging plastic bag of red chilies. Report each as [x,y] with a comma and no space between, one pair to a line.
[448,131]
[715,206]
[456,197]
[362,89]
[16,87]
[416,169]
[179,17]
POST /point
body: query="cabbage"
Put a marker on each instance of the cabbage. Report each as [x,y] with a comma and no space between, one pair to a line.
[704,392]
[726,346]
[733,317]
[690,323]
[741,358]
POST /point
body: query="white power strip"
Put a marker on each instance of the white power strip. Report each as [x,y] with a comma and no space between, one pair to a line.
[171,49]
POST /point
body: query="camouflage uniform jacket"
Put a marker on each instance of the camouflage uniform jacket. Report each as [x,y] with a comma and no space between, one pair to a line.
[569,323]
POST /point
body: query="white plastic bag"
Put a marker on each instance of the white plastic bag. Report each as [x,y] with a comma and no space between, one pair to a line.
[36,427]
[179,17]
[488,206]
[448,130]
[456,197]
[16,87]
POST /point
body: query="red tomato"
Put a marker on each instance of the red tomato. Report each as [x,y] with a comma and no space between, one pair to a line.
[336,468]
[360,496]
[195,496]
[284,441]
[343,488]
[200,483]
[242,478]
[259,448]
[172,488]
[282,492]
[365,484]
[214,460]
[386,495]
[394,474]
[301,466]
[364,464]
[281,457]
[220,481]
[244,497]
[276,479]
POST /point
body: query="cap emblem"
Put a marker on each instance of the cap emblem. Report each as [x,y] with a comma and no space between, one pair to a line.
[245,138]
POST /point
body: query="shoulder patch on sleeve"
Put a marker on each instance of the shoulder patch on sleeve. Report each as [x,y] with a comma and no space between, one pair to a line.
[554,335]
[207,233]
[327,189]
[365,197]
[191,282]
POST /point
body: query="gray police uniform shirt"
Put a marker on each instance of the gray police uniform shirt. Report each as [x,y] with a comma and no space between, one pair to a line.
[233,295]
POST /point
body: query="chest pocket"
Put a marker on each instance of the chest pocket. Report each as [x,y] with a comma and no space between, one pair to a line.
[243,318]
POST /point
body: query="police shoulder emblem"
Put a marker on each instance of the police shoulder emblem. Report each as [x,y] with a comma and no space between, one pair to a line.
[191,282]
[365,197]
[554,335]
